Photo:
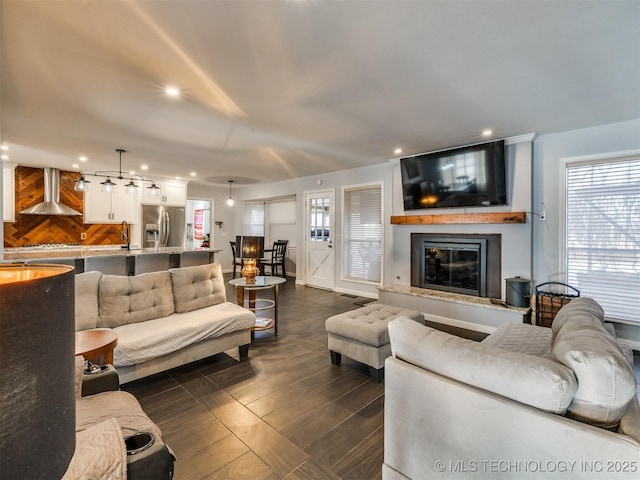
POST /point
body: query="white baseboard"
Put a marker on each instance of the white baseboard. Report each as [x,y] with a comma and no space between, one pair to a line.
[355,292]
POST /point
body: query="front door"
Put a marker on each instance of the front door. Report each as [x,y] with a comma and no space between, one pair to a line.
[319,261]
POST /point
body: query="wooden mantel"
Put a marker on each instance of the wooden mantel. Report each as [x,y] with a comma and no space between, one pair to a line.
[438,219]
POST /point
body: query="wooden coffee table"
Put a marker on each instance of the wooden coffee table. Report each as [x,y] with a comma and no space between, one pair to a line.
[96,344]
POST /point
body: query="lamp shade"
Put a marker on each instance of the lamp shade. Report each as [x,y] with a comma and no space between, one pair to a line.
[37,390]
[250,247]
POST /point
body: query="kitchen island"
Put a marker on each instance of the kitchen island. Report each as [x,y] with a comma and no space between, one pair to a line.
[80,253]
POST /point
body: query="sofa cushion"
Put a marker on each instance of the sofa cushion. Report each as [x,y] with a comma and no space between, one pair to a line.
[197,287]
[521,338]
[141,342]
[528,379]
[577,308]
[606,381]
[139,298]
[86,300]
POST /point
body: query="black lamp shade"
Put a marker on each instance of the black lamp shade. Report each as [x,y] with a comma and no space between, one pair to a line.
[250,247]
[37,402]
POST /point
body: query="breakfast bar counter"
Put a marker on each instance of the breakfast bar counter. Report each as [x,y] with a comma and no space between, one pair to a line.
[79,254]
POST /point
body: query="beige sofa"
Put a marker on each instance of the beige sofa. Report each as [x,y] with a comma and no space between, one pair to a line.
[528,402]
[163,319]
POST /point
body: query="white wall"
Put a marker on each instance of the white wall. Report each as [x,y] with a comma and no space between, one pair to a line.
[548,152]
[530,250]
[298,187]
[516,238]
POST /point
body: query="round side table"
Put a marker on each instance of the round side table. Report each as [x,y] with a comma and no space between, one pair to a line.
[255,304]
[95,343]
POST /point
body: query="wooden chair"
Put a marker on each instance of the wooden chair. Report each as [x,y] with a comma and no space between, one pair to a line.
[237,261]
[277,258]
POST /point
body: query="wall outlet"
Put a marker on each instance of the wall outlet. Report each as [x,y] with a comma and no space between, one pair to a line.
[543,215]
[83,236]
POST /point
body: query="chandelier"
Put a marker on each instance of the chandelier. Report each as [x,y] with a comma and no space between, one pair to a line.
[82,184]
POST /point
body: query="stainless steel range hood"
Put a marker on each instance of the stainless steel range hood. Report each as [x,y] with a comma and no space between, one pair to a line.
[51,204]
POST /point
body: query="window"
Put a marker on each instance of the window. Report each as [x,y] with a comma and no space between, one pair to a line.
[362,237]
[603,233]
[254,219]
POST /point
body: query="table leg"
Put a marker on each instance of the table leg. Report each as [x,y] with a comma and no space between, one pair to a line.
[252,300]
[108,357]
[240,295]
[275,309]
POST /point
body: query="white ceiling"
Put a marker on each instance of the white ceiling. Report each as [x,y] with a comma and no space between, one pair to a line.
[274,90]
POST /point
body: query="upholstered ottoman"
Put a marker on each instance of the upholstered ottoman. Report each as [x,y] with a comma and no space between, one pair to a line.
[362,335]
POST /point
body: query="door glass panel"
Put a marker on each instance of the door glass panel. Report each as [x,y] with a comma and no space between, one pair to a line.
[319,219]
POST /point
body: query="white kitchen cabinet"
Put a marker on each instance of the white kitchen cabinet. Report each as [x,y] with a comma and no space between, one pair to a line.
[8,192]
[172,192]
[112,207]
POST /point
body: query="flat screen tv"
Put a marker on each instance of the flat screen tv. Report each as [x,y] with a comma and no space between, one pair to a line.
[472,176]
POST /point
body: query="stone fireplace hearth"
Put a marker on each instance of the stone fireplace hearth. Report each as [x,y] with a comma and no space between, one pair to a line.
[468,264]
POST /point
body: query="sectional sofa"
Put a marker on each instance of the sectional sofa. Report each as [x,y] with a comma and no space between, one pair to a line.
[163,319]
[527,402]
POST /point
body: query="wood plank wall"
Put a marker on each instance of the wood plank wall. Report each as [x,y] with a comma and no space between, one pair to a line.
[36,229]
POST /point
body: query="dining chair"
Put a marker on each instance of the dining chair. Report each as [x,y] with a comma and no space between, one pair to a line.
[276,259]
[237,261]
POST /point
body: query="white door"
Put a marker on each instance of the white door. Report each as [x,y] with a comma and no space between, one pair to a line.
[319,234]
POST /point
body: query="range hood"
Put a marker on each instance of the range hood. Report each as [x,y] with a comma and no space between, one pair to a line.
[51,204]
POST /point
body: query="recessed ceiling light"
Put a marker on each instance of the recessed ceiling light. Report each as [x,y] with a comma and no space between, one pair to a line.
[144,167]
[397,151]
[75,165]
[4,148]
[82,158]
[132,172]
[5,157]
[177,178]
[487,133]
[193,174]
[171,91]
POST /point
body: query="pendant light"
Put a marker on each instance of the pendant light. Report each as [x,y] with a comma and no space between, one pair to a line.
[131,188]
[154,189]
[107,186]
[230,200]
[82,184]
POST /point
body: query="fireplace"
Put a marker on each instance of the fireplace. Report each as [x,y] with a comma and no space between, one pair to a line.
[469,264]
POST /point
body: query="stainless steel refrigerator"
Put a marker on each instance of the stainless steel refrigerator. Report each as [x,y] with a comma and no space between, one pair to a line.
[163,226]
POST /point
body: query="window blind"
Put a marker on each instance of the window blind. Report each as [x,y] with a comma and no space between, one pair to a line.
[254,219]
[362,237]
[603,234]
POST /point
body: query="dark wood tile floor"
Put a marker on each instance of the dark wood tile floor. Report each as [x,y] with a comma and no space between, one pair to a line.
[285,413]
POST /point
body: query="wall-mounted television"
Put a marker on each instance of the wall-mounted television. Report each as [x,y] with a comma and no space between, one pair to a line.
[472,176]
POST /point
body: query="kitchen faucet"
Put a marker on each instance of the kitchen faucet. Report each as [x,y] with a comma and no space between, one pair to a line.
[124,234]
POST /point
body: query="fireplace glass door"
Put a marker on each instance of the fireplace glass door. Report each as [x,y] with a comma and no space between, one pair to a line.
[453,267]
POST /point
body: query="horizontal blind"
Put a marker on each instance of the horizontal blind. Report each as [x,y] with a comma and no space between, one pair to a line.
[362,244]
[603,234]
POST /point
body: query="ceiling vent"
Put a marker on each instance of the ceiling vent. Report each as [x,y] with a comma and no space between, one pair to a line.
[51,204]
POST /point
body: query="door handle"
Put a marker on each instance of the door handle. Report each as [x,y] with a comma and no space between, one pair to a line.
[330,245]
